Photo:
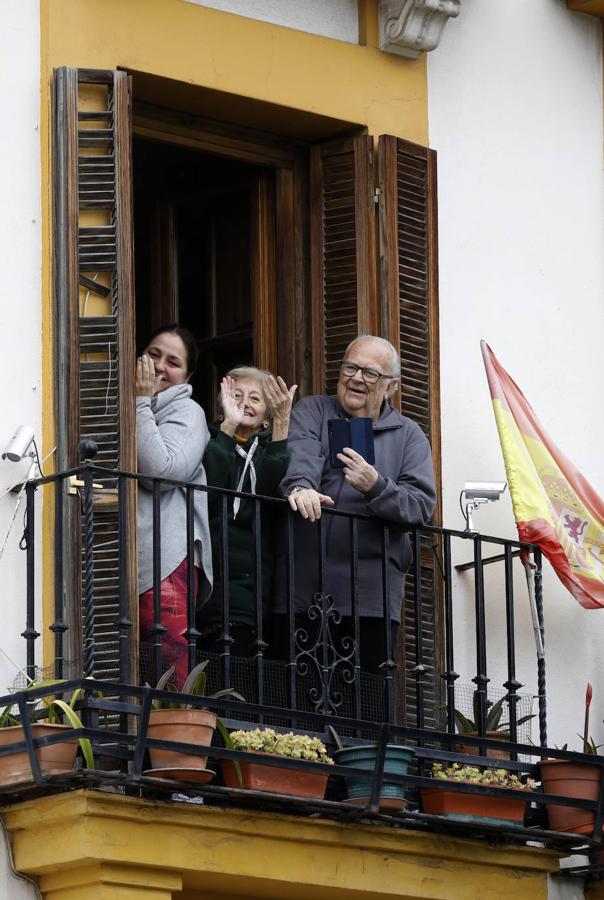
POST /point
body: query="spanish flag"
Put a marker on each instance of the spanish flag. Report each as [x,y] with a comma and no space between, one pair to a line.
[554,506]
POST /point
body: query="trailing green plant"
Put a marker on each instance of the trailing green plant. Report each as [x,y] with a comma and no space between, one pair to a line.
[49,713]
[476,775]
[293,746]
[493,720]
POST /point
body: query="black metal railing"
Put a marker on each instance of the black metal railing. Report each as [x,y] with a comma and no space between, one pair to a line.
[120,758]
[318,667]
[317,679]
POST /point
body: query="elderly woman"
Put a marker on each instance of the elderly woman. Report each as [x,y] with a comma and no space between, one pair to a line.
[171,436]
[243,454]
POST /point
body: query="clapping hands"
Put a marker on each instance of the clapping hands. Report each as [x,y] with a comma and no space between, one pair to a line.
[279,399]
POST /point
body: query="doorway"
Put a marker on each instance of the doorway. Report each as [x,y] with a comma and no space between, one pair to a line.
[204,228]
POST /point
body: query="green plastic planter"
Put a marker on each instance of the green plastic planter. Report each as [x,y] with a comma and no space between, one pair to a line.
[364,757]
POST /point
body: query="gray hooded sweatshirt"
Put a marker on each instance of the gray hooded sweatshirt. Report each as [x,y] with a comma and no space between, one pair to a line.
[404,495]
[172,435]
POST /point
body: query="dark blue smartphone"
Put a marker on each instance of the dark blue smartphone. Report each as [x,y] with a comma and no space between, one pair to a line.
[356,433]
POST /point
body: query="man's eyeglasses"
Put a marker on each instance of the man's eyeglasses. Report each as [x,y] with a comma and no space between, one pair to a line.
[369,376]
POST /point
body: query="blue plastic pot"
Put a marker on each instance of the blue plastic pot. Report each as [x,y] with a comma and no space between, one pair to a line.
[364,757]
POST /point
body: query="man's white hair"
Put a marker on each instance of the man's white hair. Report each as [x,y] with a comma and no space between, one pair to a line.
[395,359]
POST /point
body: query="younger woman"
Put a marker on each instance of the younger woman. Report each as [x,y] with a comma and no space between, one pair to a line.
[244,455]
[171,435]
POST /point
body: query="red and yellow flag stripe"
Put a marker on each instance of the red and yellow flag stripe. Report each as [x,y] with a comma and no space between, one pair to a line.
[554,505]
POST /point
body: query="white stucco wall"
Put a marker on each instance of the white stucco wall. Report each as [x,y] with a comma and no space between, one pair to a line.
[20,303]
[334,19]
[515,109]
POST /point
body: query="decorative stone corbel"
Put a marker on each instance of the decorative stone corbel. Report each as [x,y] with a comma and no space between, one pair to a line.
[410,27]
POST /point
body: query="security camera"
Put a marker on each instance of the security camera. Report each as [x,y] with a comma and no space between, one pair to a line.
[20,443]
[477,493]
[484,490]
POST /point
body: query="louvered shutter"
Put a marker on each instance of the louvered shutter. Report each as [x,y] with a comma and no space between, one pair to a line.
[343,283]
[94,298]
[409,313]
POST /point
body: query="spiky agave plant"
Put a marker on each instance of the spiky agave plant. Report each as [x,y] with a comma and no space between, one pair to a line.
[494,716]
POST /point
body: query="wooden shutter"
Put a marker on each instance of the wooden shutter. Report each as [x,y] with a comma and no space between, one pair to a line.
[343,284]
[94,297]
[409,315]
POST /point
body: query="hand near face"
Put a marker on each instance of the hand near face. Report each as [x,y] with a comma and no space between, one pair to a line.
[232,408]
[279,399]
[357,471]
[147,383]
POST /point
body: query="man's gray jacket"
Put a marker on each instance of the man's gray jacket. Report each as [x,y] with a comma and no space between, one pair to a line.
[403,495]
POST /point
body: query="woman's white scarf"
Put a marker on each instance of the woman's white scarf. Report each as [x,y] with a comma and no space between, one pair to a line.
[249,464]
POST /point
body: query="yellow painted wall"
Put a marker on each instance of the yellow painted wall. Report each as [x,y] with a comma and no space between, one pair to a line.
[253,59]
[223,52]
[77,844]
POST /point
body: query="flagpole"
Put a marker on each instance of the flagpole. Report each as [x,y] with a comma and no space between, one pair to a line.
[529,568]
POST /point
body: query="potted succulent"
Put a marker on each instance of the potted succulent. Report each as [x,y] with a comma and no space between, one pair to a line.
[275,778]
[363,756]
[175,720]
[573,778]
[54,759]
[495,729]
[466,807]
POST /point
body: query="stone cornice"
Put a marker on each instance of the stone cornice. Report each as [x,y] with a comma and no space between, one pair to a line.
[92,843]
[412,27]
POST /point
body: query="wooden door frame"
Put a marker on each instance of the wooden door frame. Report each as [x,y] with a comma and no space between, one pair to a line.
[281,325]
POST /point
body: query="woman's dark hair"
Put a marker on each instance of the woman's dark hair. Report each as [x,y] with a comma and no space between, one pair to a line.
[188,339]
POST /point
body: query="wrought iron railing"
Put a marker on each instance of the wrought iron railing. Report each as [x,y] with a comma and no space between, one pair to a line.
[320,681]
[317,671]
[120,759]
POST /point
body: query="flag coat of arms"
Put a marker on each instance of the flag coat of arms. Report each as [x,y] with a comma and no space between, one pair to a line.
[554,505]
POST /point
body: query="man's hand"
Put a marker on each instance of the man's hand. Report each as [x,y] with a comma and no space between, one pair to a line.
[146,383]
[308,503]
[357,471]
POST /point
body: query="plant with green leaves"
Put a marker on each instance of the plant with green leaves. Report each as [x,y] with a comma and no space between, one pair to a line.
[293,746]
[49,711]
[476,775]
[493,720]
[195,685]
[589,746]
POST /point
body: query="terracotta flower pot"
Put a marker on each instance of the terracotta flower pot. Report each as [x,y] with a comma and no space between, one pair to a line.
[491,753]
[54,759]
[189,726]
[275,778]
[473,807]
[565,778]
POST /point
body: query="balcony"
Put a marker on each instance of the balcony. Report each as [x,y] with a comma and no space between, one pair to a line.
[319,689]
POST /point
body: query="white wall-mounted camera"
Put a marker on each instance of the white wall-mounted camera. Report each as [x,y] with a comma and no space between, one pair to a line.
[485,490]
[20,445]
[477,493]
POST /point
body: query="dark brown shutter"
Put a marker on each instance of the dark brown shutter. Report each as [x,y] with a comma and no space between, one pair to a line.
[343,283]
[409,313]
[94,296]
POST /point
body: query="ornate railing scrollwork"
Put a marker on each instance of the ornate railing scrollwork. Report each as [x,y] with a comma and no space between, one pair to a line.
[322,657]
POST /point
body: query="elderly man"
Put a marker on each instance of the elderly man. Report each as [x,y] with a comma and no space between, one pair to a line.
[398,489]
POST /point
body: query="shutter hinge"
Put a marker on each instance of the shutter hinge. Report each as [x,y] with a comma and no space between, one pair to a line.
[376,195]
[75,483]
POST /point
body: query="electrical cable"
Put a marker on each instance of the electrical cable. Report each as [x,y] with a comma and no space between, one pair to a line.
[38,458]
[463,512]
